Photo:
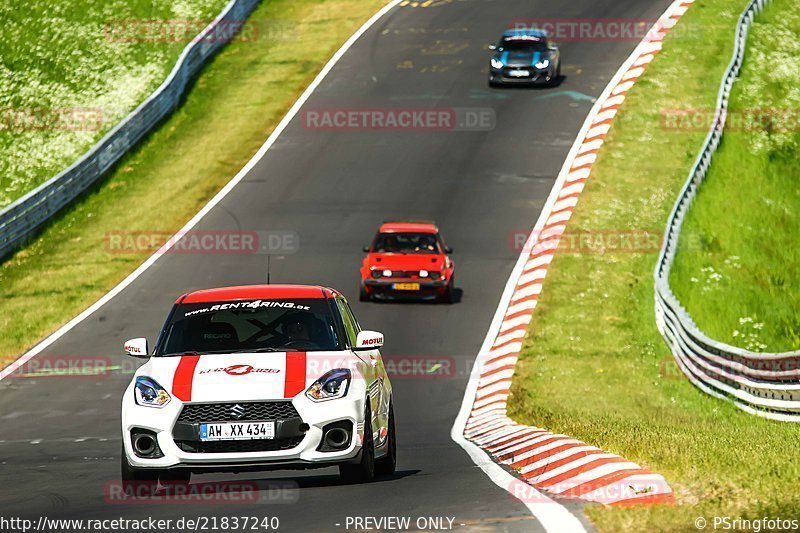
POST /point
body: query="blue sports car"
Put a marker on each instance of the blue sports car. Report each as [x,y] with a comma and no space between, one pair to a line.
[524,56]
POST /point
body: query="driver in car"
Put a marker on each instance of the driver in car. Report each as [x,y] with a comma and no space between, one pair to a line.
[297,328]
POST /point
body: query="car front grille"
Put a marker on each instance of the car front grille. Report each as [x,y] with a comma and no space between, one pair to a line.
[405,273]
[223,412]
[239,446]
[531,73]
[412,274]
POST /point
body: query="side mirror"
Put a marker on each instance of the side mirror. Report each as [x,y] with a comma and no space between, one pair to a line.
[369,340]
[365,249]
[137,348]
[492,47]
[448,250]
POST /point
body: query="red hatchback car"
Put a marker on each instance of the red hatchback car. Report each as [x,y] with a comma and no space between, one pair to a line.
[408,260]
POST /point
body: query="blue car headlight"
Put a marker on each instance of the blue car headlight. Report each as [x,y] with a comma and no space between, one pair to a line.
[149,393]
[332,385]
[496,63]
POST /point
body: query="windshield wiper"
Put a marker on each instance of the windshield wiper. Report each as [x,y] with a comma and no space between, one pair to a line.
[259,350]
[181,354]
[195,352]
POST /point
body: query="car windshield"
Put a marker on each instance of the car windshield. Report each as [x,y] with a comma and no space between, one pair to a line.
[406,243]
[524,45]
[250,326]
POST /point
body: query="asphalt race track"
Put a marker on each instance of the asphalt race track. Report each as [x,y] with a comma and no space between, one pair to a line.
[59,444]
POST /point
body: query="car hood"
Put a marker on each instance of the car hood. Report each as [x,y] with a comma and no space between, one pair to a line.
[407,261]
[243,376]
[519,58]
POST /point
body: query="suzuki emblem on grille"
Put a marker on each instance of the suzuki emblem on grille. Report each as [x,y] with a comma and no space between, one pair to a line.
[237,411]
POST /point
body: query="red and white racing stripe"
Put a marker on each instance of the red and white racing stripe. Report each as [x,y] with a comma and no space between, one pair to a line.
[198,378]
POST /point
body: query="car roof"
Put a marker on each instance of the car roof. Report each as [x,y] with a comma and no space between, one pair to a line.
[255,292]
[408,226]
[525,33]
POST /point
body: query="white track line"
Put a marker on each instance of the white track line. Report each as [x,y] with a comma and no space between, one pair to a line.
[210,205]
[551,515]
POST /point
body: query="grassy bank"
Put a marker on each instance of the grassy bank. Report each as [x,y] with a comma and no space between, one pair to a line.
[742,284]
[70,70]
[237,101]
[594,332]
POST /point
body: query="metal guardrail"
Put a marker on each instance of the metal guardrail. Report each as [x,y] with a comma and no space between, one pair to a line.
[20,220]
[766,384]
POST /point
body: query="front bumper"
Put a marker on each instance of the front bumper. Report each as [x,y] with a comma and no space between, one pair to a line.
[295,445]
[384,288]
[537,77]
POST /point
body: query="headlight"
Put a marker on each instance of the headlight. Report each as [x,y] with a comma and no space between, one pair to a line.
[496,63]
[543,63]
[149,393]
[333,384]
[376,273]
[436,275]
[387,273]
[423,273]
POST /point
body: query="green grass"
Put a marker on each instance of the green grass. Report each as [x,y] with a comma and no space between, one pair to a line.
[594,365]
[742,284]
[56,55]
[176,171]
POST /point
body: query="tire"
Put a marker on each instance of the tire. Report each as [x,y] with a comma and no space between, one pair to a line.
[364,471]
[386,465]
[362,294]
[175,478]
[449,293]
[555,80]
[138,481]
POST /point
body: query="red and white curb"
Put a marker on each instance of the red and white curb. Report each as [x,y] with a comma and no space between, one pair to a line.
[554,463]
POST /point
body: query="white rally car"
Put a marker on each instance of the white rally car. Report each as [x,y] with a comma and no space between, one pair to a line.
[256,378]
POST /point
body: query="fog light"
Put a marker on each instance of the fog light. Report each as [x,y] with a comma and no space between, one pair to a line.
[145,444]
[337,438]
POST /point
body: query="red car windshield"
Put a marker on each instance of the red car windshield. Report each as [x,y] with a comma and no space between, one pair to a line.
[406,243]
